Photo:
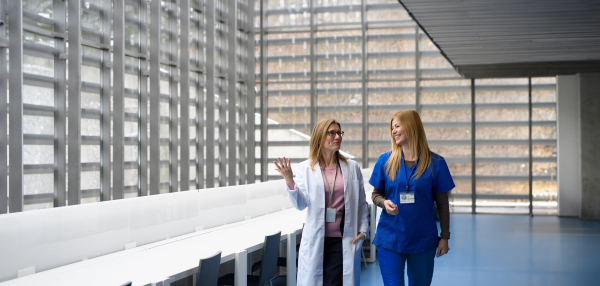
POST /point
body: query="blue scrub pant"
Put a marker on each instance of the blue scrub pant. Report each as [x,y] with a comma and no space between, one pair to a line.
[420,267]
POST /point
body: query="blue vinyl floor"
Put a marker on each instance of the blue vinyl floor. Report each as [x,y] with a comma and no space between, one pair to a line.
[514,250]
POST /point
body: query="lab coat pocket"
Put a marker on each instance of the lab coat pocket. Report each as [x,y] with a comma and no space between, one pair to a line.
[358,247]
[355,186]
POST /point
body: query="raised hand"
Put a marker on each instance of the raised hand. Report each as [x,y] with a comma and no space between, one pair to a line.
[284,168]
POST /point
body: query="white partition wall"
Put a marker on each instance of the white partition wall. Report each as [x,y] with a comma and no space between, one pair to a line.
[49,238]
[221,206]
[265,198]
[45,239]
[156,218]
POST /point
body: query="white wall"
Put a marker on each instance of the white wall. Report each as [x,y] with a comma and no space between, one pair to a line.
[568,146]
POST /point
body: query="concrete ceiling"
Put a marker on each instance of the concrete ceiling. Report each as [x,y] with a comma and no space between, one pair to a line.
[513,38]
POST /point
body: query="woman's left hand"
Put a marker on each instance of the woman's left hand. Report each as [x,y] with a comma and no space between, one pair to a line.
[442,247]
[358,237]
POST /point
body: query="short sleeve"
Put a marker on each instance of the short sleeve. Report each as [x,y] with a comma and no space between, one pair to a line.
[442,180]
[378,177]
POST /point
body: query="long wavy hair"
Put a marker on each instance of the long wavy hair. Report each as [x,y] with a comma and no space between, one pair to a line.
[417,142]
[318,133]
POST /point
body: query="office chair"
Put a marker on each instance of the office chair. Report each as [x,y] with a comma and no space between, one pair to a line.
[208,270]
[268,264]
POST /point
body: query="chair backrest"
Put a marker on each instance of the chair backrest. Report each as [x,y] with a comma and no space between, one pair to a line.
[270,248]
[208,270]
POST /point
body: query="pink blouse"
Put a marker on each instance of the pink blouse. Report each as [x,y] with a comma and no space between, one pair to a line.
[332,229]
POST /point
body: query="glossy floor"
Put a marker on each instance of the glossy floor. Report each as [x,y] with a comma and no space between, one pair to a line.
[514,250]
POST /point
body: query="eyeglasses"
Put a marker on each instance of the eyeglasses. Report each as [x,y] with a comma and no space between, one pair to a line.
[332,133]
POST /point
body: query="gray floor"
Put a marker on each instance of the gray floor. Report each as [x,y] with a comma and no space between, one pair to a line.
[514,250]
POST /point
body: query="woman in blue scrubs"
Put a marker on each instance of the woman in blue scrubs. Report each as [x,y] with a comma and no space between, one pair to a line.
[407,181]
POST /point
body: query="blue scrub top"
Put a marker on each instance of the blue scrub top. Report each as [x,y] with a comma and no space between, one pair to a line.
[413,229]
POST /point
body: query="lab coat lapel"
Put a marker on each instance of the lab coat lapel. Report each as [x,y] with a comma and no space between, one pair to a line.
[319,179]
[346,176]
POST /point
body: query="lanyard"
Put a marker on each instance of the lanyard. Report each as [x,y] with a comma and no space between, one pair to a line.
[328,186]
[406,171]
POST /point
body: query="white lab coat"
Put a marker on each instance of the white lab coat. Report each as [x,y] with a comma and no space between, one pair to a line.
[309,192]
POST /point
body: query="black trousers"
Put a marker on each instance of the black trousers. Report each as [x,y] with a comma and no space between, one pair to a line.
[333,262]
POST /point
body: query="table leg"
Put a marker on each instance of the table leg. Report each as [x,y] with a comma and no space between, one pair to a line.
[241,268]
[291,259]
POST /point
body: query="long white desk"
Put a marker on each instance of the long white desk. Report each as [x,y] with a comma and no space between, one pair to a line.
[83,245]
[154,263]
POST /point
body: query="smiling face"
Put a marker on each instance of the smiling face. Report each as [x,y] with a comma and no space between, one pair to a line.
[398,133]
[332,144]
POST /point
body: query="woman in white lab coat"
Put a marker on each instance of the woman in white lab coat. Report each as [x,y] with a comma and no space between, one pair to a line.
[331,187]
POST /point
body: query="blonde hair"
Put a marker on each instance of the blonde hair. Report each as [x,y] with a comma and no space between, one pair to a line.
[417,142]
[318,133]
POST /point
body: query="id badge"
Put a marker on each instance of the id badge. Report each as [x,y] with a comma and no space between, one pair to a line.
[330,217]
[407,198]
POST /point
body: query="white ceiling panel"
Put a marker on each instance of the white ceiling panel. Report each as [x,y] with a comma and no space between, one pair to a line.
[487,38]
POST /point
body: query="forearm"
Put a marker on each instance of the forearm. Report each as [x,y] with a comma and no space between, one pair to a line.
[297,196]
[443,208]
[378,197]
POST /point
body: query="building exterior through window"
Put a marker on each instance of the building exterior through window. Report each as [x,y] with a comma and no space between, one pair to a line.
[116,99]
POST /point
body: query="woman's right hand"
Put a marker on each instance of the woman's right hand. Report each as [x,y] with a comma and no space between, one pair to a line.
[284,168]
[390,207]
